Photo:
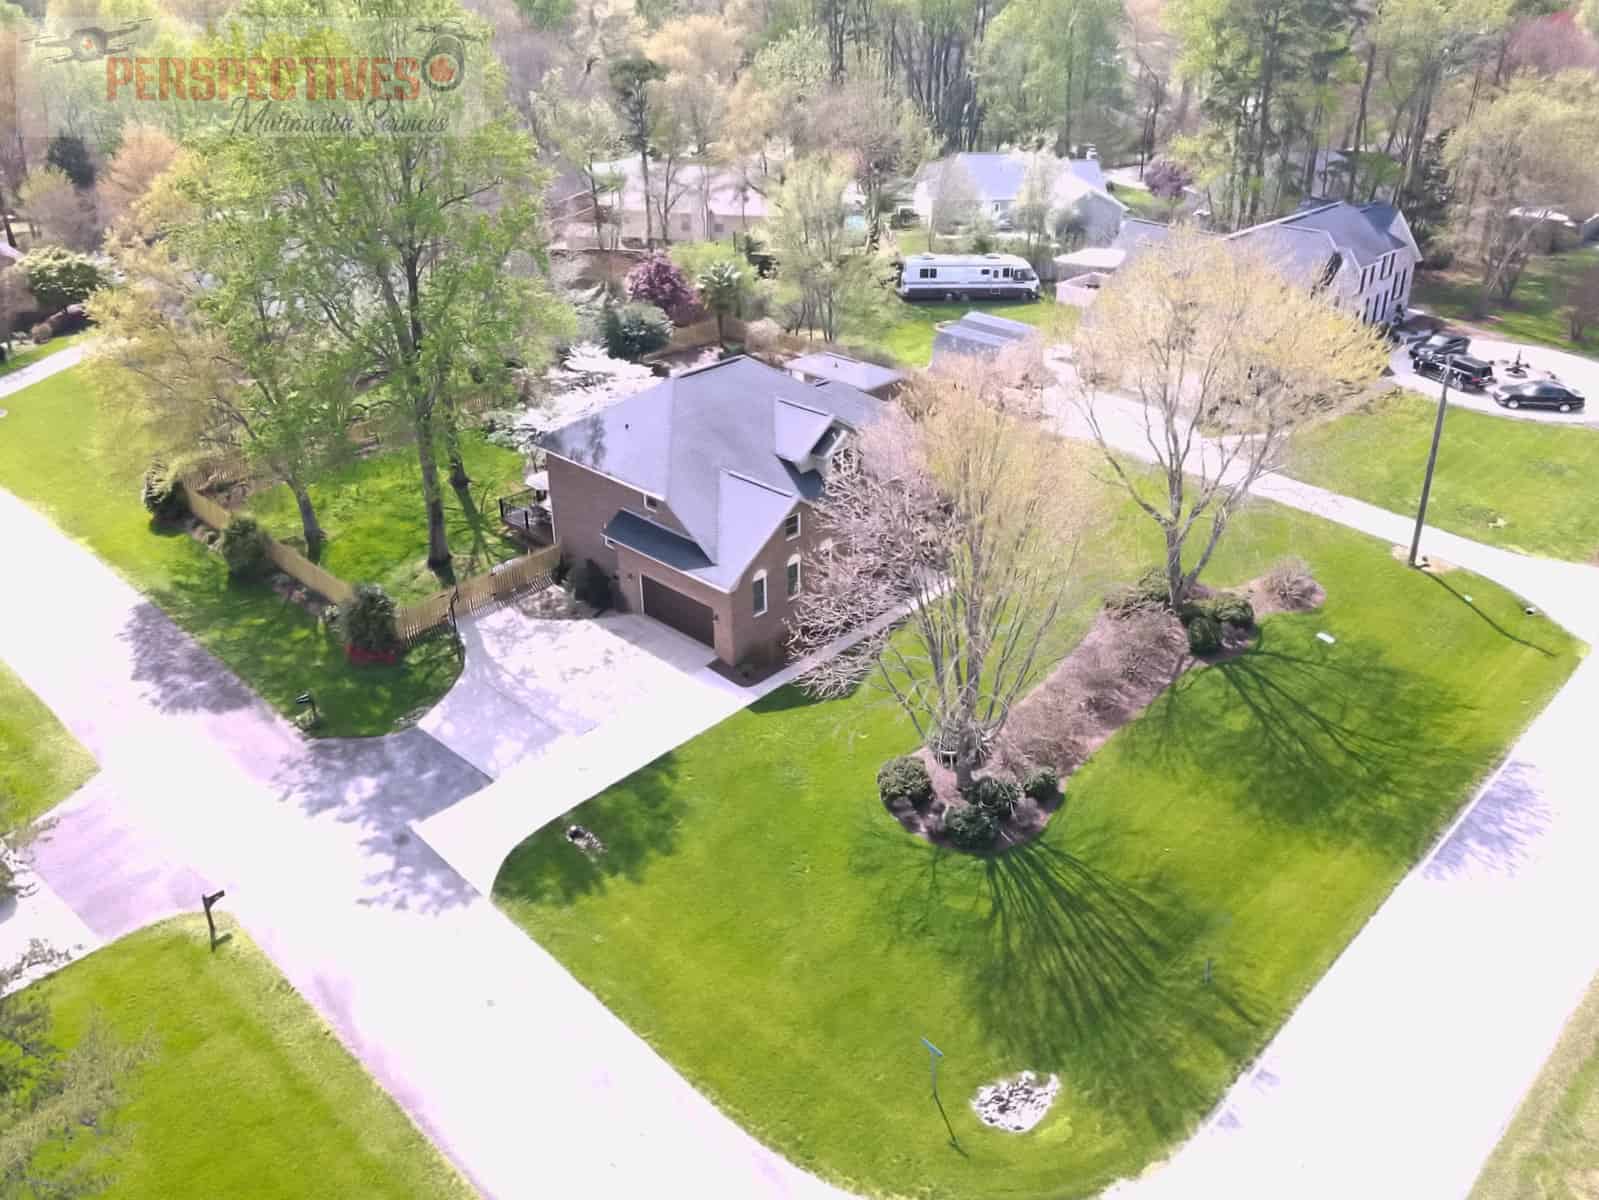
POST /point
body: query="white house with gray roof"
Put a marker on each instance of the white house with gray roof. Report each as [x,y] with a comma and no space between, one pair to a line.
[694,497]
[1078,184]
[1364,256]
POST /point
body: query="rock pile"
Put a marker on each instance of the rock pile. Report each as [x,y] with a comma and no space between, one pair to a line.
[1016,1104]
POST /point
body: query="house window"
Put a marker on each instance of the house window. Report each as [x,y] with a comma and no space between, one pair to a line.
[719,227]
[609,544]
[758,592]
[791,526]
[682,222]
[792,576]
[651,504]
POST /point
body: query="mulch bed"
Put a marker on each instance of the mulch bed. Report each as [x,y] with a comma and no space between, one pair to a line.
[1118,670]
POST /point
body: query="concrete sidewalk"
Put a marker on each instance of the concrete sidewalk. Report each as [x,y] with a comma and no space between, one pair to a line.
[31,374]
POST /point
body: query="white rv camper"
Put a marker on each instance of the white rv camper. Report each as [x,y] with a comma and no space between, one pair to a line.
[967,277]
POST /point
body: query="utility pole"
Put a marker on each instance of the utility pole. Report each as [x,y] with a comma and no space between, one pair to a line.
[1432,462]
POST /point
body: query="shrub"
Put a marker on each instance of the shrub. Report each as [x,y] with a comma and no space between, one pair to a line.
[971,827]
[1166,178]
[1204,633]
[563,568]
[905,779]
[633,330]
[997,797]
[1233,610]
[58,277]
[1292,584]
[1150,591]
[658,281]
[244,547]
[366,620]
[590,584]
[1042,785]
[162,493]
[41,333]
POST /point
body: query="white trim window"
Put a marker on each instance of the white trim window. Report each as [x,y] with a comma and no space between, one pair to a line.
[651,504]
[791,526]
[758,593]
[791,575]
[609,544]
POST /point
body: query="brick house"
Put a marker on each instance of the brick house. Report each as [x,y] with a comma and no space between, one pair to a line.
[694,496]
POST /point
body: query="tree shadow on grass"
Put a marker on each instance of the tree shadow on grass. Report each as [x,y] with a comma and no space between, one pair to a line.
[1341,745]
[637,820]
[1492,624]
[1067,967]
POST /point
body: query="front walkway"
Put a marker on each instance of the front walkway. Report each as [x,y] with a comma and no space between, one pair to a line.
[518,1074]
[42,369]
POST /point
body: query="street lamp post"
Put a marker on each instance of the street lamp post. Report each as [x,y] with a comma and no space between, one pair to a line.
[1432,463]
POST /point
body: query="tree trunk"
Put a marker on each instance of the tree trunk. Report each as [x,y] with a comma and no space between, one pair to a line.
[721,338]
[1176,585]
[310,528]
[644,183]
[1358,143]
[438,538]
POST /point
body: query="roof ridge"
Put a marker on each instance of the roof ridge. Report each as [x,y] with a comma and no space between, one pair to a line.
[743,478]
[820,412]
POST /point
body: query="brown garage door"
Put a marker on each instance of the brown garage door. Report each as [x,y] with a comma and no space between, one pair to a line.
[682,613]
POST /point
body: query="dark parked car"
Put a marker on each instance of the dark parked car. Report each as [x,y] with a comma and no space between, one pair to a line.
[1547,393]
[1439,344]
[1463,370]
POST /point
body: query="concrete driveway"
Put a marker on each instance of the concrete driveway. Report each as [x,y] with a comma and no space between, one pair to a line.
[1581,373]
[529,682]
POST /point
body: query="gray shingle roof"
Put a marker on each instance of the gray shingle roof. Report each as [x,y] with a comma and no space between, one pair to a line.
[839,368]
[978,333]
[1137,233]
[717,445]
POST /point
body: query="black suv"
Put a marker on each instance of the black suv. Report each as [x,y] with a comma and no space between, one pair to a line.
[1463,370]
[1438,345]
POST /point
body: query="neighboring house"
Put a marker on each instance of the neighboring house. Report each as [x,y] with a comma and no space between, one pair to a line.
[694,496]
[1556,230]
[707,203]
[1363,255]
[1079,185]
[980,334]
[870,378]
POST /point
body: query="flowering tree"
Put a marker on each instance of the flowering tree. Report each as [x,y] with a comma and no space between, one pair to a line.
[657,281]
[964,516]
[1167,179]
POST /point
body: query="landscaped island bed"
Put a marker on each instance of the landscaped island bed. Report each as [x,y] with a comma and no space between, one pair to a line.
[41,764]
[1524,485]
[245,1091]
[761,919]
[53,455]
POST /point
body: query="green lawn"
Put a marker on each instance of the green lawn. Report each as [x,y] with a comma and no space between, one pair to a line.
[1142,204]
[24,354]
[909,336]
[246,1092]
[762,922]
[1524,485]
[1537,310]
[1551,1150]
[41,764]
[51,456]
[371,510]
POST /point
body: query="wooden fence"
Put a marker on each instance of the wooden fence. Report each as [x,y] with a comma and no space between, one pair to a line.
[535,569]
[287,559]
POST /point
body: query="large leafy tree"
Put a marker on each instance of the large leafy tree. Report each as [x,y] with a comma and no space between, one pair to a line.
[421,255]
[631,78]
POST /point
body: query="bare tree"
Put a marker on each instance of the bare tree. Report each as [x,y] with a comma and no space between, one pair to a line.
[1203,358]
[952,198]
[965,517]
